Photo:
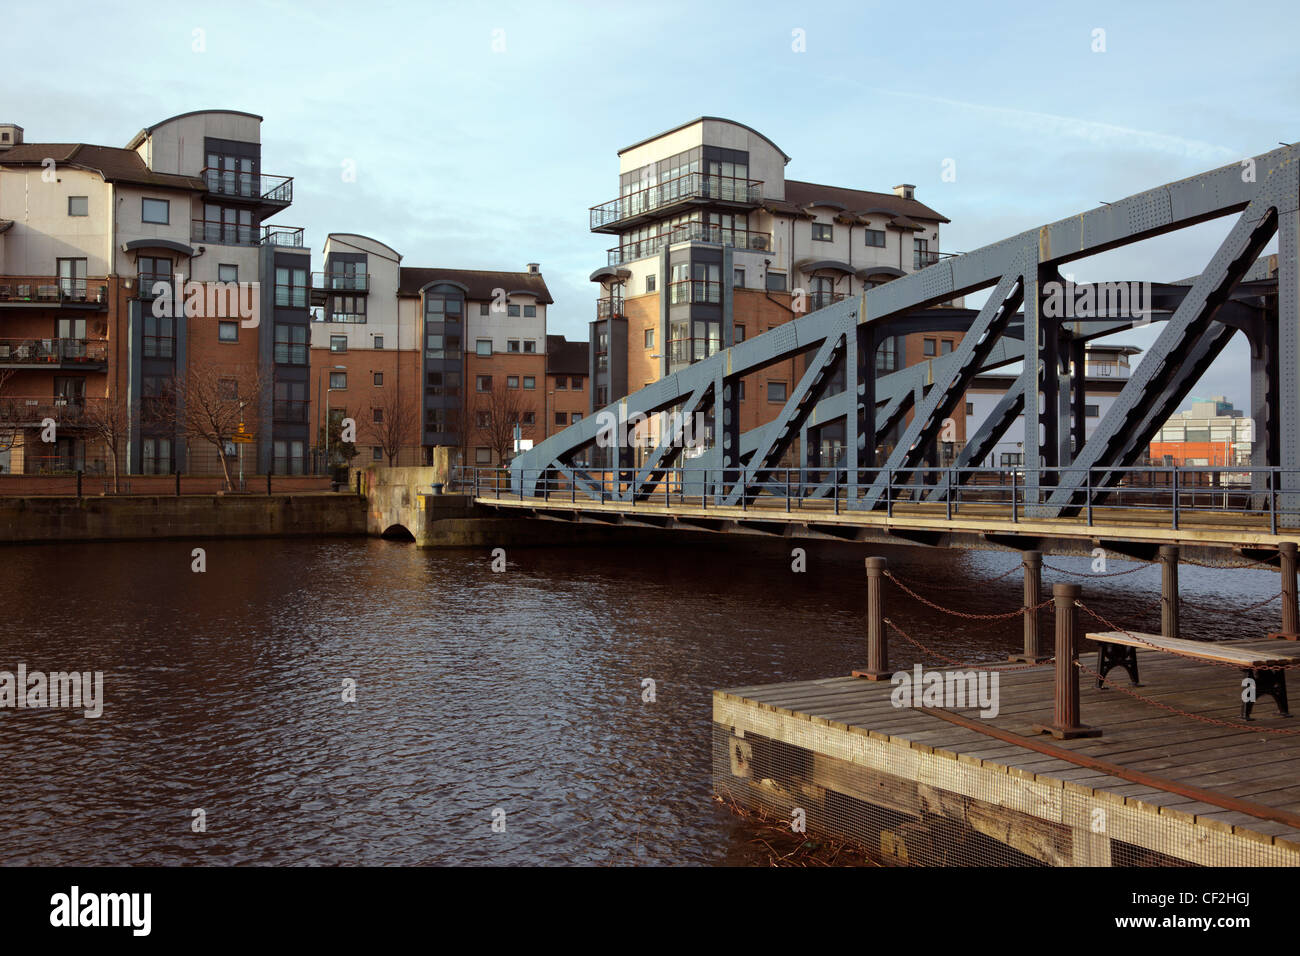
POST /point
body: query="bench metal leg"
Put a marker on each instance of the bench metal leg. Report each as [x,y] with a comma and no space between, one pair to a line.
[1117,655]
[1271,682]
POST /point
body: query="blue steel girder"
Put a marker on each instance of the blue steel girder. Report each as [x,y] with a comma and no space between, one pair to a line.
[1267,201]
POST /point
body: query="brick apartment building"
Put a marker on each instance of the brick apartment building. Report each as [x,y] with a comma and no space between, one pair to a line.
[91,239]
[421,358]
[567,394]
[714,244]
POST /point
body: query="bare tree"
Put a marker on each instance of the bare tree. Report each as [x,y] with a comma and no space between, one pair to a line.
[214,399]
[398,425]
[110,422]
[496,414]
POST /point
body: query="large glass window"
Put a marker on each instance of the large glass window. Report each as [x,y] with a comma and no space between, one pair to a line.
[290,344]
[155,211]
[291,288]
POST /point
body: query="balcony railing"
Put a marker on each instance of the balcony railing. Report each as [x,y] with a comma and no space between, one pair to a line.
[921,258]
[609,307]
[685,188]
[239,185]
[223,233]
[694,290]
[340,281]
[52,351]
[820,300]
[286,236]
[55,292]
[690,232]
[685,351]
[31,410]
[147,284]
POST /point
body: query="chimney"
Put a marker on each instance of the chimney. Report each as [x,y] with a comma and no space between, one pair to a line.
[10,135]
[905,191]
[534,268]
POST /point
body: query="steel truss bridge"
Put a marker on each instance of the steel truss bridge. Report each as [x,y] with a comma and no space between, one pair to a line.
[1066,477]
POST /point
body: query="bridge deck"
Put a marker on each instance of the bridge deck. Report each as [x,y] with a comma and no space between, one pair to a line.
[971,524]
[845,735]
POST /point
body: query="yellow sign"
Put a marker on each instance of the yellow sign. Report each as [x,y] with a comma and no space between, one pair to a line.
[243,439]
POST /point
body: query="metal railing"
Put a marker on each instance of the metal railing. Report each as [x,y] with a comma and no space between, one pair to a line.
[242,185]
[57,292]
[694,290]
[820,300]
[678,189]
[52,351]
[31,410]
[922,258]
[688,350]
[340,281]
[290,237]
[609,307]
[689,232]
[1161,496]
[223,233]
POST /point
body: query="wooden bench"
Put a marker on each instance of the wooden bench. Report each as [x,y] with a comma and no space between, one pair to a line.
[1119,649]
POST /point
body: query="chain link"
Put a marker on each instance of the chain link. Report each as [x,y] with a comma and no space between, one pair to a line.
[1098,574]
[953,661]
[965,614]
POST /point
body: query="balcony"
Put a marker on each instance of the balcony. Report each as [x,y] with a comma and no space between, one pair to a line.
[268,192]
[686,351]
[340,282]
[221,233]
[921,258]
[661,199]
[694,290]
[30,411]
[690,232]
[820,300]
[610,307]
[287,237]
[57,353]
[62,293]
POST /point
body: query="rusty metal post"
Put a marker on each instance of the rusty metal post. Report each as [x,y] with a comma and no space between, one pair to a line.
[1035,652]
[1065,713]
[1290,617]
[877,639]
[1169,590]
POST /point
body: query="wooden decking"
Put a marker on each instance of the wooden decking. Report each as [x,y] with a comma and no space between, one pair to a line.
[853,722]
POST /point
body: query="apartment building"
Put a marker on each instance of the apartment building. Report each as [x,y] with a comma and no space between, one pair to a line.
[1106,371]
[1212,432]
[421,358]
[567,394]
[713,244]
[125,270]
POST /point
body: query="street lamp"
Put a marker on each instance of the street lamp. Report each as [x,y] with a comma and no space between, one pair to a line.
[338,368]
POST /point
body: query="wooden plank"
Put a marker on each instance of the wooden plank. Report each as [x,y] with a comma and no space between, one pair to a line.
[1205,650]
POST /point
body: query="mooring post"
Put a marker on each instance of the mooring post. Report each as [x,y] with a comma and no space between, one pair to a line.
[178,482]
[268,482]
[1290,617]
[1035,652]
[1169,590]
[1065,714]
[877,639]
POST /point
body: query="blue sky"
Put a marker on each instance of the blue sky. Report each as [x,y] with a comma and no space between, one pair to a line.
[480,159]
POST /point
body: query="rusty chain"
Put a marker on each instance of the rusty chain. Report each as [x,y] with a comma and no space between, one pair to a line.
[956,663]
[965,614]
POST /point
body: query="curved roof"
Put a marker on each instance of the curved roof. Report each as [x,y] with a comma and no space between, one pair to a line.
[139,137]
[816,265]
[171,244]
[701,119]
[879,271]
[358,235]
[605,273]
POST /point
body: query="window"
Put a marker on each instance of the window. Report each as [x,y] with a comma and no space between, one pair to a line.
[227,272]
[738,278]
[290,403]
[875,237]
[561,383]
[512,381]
[338,379]
[740,390]
[512,311]
[822,232]
[650,283]
[575,383]
[575,418]
[156,211]
[442,383]
[159,336]
[483,419]
[78,205]
[227,331]
[530,346]
[776,391]
[530,418]
[561,418]
[1091,411]
[530,312]
[338,343]
[377,416]
[512,345]
[228,389]
[72,278]
[483,347]
[376,453]
[776,282]
[157,456]
[649,338]
[886,357]
[945,346]
[483,383]
[602,394]
[930,346]
[739,331]
[291,291]
[290,344]
[970,408]
[530,381]
[378,379]
[379,341]
[482,456]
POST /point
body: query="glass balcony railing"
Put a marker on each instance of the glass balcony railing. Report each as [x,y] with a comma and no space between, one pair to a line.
[223,233]
[690,232]
[340,281]
[30,351]
[609,307]
[922,258]
[240,185]
[694,290]
[820,300]
[691,186]
[31,410]
[686,351]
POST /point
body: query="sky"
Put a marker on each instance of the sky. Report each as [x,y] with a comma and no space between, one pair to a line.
[480,133]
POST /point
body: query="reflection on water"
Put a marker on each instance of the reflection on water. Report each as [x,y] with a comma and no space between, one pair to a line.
[475,691]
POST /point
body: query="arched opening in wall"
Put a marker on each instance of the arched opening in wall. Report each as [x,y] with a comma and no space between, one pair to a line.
[397,532]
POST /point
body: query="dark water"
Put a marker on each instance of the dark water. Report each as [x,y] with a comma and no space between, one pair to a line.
[475,691]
